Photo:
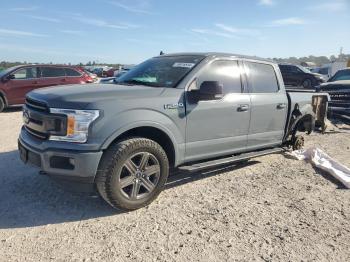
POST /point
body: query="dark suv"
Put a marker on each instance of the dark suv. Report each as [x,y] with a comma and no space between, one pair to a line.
[16,82]
[295,75]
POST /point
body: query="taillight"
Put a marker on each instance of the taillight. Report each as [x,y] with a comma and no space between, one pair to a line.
[88,79]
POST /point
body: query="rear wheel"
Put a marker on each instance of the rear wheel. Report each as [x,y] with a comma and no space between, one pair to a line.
[2,104]
[307,83]
[132,173]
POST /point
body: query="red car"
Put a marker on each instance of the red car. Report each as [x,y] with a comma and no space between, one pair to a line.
[16,82]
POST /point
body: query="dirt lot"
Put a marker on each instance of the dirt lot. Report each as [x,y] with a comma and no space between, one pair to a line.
[273,208]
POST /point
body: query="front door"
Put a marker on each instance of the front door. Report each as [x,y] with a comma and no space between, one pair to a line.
[24,80]
[269,106]
[220,126]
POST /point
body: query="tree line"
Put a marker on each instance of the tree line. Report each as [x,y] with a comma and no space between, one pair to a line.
[318,60]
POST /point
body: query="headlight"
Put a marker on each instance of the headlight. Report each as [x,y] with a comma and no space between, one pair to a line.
[321,78]
[78,122]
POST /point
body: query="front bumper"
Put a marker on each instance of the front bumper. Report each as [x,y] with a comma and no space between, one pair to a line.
[67,164]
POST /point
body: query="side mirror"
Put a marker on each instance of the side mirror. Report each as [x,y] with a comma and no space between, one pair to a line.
[10,77]
[7,78]
[211,90]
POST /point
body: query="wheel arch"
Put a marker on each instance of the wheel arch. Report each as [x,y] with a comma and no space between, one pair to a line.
[152,131]
[302,119]
[303,123]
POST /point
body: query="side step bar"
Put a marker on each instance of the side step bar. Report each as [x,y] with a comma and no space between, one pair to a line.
[229,160]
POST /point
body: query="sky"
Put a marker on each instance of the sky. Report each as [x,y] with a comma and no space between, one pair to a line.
[130,31]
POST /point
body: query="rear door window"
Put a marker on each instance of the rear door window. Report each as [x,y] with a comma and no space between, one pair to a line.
[261,78]
[52,72]
[295,69]
[26,73]
[72,72]
[226,72]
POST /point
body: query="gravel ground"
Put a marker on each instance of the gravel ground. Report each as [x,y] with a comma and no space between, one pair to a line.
[273,208]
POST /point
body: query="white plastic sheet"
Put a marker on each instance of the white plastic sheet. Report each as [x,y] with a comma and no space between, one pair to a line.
[323,161]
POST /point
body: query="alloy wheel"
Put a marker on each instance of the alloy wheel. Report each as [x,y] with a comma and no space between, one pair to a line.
[139,175]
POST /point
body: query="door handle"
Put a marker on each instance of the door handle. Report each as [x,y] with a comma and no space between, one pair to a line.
[63,80]
[35,82]
[243,108]
[281,106]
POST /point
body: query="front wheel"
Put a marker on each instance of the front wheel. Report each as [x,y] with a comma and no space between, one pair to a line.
[132,173]
[2,105]
[307,83]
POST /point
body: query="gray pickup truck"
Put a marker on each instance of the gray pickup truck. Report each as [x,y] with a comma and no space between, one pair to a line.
[188,111]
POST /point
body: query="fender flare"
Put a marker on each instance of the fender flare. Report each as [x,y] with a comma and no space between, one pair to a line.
[140,124]
[299,115]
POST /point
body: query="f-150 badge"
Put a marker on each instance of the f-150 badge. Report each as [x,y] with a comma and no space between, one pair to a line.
[174,106]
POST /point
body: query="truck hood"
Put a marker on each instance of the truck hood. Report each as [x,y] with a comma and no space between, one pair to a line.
[80,96]
[317,75]
[343,85]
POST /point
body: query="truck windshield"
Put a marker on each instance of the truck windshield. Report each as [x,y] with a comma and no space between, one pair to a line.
[340,75]
[166,71]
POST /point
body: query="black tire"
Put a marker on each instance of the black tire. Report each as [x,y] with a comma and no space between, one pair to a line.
[306,83]
[115,167]
[2,104]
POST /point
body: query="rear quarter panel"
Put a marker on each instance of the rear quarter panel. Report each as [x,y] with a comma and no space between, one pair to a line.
[301,106]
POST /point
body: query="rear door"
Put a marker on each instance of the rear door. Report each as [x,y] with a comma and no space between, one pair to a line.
[269,105]
[52,76]
[218,127]
[25,80]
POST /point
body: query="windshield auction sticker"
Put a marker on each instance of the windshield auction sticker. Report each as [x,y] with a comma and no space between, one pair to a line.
[184,65]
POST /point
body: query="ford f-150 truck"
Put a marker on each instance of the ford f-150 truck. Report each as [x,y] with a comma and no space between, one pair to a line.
[188,111]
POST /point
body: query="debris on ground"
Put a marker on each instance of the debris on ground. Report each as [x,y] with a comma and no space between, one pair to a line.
[323,161]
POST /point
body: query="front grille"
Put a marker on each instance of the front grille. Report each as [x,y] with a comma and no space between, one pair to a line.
[340,96]
[36,105]
[36,133]
[40,123]
[339,100]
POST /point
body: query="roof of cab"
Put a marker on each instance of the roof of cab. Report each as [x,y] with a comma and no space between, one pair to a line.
[218,54]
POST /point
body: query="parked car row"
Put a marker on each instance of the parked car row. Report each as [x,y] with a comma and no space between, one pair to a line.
[16,82]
